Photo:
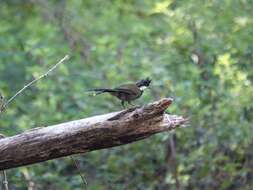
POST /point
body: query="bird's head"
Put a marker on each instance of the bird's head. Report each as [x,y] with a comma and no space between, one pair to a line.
[144,83]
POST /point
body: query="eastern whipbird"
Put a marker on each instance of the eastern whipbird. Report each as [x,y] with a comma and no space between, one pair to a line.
[125,92]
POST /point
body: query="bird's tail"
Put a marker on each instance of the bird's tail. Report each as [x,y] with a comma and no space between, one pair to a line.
[98,91]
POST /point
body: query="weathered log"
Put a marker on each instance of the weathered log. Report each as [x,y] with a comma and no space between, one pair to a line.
[81,136]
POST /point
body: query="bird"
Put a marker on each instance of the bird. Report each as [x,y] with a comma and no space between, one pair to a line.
[126,92]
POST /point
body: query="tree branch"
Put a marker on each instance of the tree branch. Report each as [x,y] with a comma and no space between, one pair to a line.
[85,135]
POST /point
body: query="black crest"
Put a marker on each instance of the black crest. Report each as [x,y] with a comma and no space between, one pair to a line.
[143,82]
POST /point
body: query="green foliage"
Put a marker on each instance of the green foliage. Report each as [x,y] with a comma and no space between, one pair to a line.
[199,52]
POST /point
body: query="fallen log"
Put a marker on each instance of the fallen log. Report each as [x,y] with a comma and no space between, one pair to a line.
[84,135]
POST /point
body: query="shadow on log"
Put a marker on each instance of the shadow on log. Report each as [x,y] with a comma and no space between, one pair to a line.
[85,135]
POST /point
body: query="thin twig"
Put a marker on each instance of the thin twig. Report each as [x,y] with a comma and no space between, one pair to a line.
[174,161]
[5,181]
[32,82]
[3,104]
[80,173]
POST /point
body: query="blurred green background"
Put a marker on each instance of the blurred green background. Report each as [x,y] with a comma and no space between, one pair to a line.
[198,51]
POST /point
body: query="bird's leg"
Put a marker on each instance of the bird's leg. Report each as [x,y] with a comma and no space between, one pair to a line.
[123,104]
[134,106]
[129,102]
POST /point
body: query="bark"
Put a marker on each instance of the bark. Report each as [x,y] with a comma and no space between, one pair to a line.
[93,133]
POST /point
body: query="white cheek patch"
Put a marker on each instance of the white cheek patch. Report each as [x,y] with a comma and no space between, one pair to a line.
[143,87]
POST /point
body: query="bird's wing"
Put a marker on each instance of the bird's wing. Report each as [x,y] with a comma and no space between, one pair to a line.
[128,89]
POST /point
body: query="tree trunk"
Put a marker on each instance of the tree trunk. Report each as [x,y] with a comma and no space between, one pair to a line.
[81,136]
